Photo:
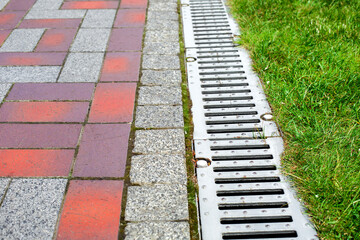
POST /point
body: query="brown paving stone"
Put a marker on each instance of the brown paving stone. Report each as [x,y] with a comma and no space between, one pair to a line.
[3,35]
[113,102]
[56,40]
[51,91]
[91,210]
[43,111]
[32,59]
[50,23]
[130,18]
[8,20]
[90,5]
[39,135]
[133,4]
[35,162]
[126,39]
[18,5]
[123,66]
[103,151]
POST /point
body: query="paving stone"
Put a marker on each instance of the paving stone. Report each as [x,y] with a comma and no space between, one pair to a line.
[39,135]
[90,5]
[157,230]
[162,116]
[35,162]
[3,35]
[55,14]
[158,202]
[126,39]
[159,141]
[9,20]
[91,40]
[30,208]
[161,36]
[133,4]
[161,78]
[160,62]
[29,74]
[19,5]
[162,6]
[163,15]
[121,66]
[91,210]
[47,4]
[163,48]
[50,23]
[157,24]
[113,102]
[51,91]
[101,18]
[3,4]
[103,151]
[150,169]
[22,40]
[32,59]
[157,95]
[3,186]
[4,88]
[82,67]
[43,111]
[56,40]
[130,18]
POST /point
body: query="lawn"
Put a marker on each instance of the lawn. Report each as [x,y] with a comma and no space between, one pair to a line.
[307,54]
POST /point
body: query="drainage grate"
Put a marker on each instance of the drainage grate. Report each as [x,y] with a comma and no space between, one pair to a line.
[242,193]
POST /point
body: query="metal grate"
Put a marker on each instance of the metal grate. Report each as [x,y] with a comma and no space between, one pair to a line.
[242,194]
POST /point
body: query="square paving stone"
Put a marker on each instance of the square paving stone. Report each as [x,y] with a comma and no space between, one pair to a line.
[3,186]
[157,203]
[91,40]
[158,95]
[162,6]
[157,230]
[31,208]
[130,18]
[160,62]
[99,18]
[161,78]
[159,141]
[82,67]
[103,151]
[56,40]
[133,4]
[4,88]
[159,116]
[156,24]
[150,169]
[163,15]
[91,210]
[161,36]
[22,40]
[29,74]
[164,48]
[126,39]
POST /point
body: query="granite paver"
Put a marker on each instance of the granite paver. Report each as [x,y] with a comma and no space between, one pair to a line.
[103,18]
[161,78]
[20,74]
[158,95]
[163,116]
[161,48]
[22,40]
[4,88]
[157,230]
[4,182]
[91,40]
[161,62]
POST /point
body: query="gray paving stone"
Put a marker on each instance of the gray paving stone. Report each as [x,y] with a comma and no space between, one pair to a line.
[82,67]
[157,230]
[159,141]
[156,24]
[47,5]
[30,208]
[162,116]
[161,78]
[91,40]
[100,18]
[166,48]
[4,88]
[162,6]
[160,62]
[161,36]
[22,40]
[164,15]
[29,74]
[150,169]
[3,185]
[158,202]
[3,3]
[157,95]
[55,14]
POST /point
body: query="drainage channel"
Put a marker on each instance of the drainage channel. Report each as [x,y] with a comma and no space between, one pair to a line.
[242,193]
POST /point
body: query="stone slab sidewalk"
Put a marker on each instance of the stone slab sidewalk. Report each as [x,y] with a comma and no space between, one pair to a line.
[71,73]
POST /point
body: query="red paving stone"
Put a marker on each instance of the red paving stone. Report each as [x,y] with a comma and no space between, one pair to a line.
[18,5]
[3,35]
[43,111]
[90,5]
[103,151]
[113,102]
[56,40]
[91,210]
[51,91]
[35,162]
[8,20]
[39,135]
[50,23]
[32,59]
[133,4]
[130,18]
[123,66]
[126,39]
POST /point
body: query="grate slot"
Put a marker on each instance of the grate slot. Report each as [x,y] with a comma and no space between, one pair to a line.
[226,91]
[220,122]
[229,106]
[246,180]
[214,57]
[217,114]
[234,130]
[242,157]
[259,235]
[221,66]
[259,205]
[239,147]
[252,192]
[245,168]
[267,219]
[210,99]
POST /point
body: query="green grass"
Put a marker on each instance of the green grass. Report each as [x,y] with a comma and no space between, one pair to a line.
[307,53]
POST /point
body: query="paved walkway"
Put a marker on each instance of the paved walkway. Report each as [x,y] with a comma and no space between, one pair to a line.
[70,75]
